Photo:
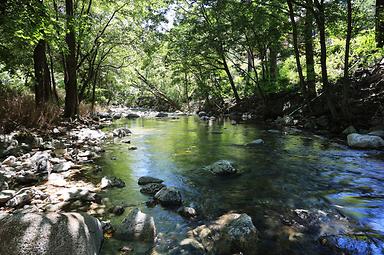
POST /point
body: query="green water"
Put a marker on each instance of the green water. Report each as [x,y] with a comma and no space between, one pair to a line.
[289,171]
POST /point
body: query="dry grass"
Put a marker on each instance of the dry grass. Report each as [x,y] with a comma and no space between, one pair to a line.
[19,111]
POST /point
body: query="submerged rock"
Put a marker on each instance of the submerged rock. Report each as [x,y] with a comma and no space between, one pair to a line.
[169,196]
[255,142]
[222,167]
[231,233]
[111,181]
[151,188]
[148,179]
[52,233]
[365,141]
[137,226]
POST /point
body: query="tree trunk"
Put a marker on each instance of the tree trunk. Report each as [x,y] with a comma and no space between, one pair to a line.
[54,90]
[43,93]
[380,23]
[345,100]
[320,21]
[71,98]
[296,48]
[230,78]
[273,63]
[309,55]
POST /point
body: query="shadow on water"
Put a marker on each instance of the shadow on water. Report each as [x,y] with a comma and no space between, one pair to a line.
[285,173]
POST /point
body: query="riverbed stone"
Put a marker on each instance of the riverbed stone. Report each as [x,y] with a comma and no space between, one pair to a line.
[151,188]
[148,179]
[169,196]
[222,167]
[22,198]
[111,181]
[117,210]
[52,233]
[63,166]
[6,195]
[231,233]
[10,161]
[137,226]
[132,116]
[365,141]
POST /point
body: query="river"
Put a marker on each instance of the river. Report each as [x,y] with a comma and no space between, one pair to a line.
[289,171]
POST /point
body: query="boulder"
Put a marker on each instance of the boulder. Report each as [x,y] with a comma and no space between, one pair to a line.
[222,167]
[137,226]
[151,188]
[201,114]
[111,181]
[169,196]
[365,141]
[148,179]
[52,233]
[231,233]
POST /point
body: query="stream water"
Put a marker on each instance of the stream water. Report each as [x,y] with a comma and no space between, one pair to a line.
[288,172]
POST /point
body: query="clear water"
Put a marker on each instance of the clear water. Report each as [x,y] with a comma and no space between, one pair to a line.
[289,171]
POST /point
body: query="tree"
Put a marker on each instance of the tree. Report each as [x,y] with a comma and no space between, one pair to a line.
[71,108]
[380,23]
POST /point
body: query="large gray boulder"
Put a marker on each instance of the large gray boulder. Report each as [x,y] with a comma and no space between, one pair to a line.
[169,196]
[222,167]
[365,141]
[52,233]
[231,233]
[151,188]
[137,226]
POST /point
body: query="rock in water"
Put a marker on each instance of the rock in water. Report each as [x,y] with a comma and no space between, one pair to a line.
[365,141]
[256,142]
[151,188]
[148,179]
[111,181]
[231,233]
[169,196]
[161,115]
[137,226]
[222,167]
[52,233]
